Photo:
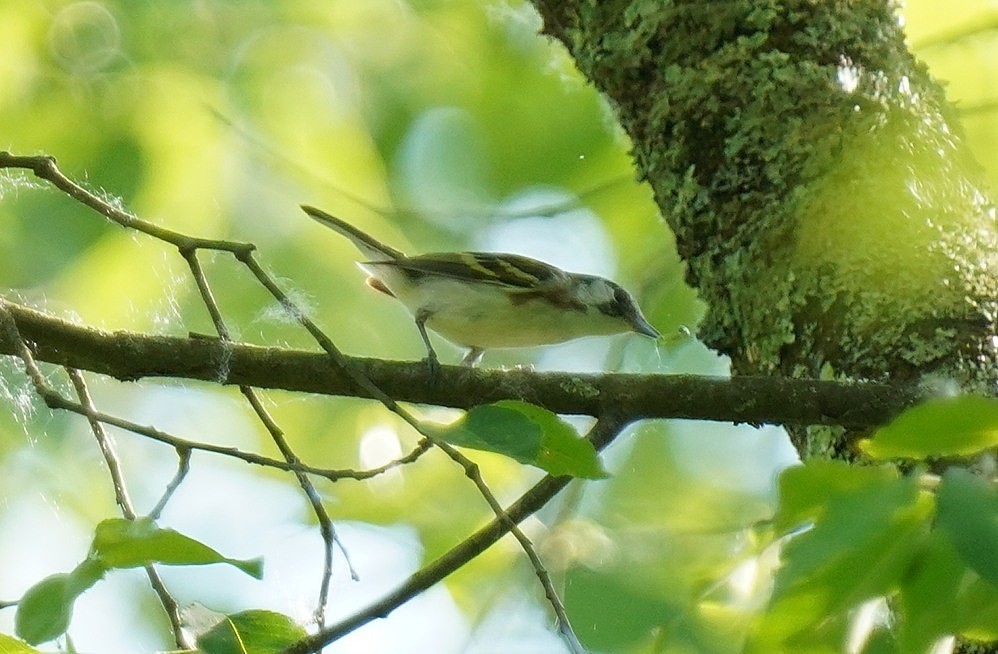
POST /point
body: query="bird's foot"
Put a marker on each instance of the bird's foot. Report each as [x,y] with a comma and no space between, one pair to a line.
[472,358]
[433,368]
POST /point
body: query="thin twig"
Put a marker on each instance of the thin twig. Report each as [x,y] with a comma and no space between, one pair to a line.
[329,537]
[183,467]
[471,469]
[468,213]
[602,434]
[44,167]
[107,448]
[328,531]
[361,380]
[54,400]
[104,441]
[474,474]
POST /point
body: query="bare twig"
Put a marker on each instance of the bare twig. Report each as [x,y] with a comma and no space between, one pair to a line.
[183,467]
[300,171]
[106,444]
[474,474]
[364,382]
[104,441]
[358,379]
[54,400]
[326,529]
[601,435]
[329,538]
[343,363]
[44,167]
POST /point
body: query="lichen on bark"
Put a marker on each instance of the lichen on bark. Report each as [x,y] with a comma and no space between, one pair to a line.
[814,176]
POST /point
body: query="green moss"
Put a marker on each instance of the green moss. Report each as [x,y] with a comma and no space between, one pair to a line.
[580,387]
[815,181]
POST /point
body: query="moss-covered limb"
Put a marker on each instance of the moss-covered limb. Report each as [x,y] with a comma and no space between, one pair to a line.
[814,177]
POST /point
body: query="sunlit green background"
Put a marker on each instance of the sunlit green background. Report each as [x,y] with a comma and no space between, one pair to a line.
[434,125]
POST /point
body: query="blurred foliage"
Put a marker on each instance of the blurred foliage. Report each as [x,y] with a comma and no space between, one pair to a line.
[944,427]
[434,125]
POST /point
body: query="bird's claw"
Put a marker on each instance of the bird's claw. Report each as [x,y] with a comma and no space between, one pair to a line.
[433,369]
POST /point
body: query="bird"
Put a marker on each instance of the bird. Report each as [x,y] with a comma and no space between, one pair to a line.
[486,300]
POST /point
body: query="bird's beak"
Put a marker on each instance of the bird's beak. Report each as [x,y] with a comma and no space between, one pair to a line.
[642,326]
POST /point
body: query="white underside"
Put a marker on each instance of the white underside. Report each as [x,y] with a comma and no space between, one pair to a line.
[482,316]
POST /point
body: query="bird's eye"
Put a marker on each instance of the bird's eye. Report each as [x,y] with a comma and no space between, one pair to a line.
[613,309]
[619,306]
[616,307]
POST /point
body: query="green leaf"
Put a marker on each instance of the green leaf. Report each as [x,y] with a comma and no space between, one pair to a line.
[9,645]
[526,433]
[867,528]
[562,451]
[926,608]
[958,426]
[121,543]
[978,610]
[493,428]
[804,490]
[968,513]
[46,608]
[611,612]
[251,632]
[939,596]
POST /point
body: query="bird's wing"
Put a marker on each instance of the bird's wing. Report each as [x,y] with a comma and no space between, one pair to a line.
[513,271]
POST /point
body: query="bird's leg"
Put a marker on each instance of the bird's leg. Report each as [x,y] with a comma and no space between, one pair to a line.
[431,356]
[473,356]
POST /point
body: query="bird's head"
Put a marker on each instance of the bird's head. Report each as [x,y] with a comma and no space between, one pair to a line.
[612,304]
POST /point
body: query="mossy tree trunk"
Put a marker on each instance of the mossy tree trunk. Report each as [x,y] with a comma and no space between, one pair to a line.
[815,178]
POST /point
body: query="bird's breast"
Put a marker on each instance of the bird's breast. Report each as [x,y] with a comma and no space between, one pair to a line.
[484,316]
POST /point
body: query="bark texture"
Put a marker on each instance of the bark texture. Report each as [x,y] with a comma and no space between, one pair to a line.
[814,176]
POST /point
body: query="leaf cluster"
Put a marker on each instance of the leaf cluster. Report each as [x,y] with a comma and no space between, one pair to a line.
[885,562]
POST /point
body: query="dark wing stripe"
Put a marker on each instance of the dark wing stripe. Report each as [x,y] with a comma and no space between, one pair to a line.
[557,296]
[482,267]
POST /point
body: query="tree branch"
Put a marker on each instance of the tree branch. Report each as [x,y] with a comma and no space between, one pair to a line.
[131,356]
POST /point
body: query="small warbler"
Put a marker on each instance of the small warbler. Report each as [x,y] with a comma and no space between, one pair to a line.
[482,300]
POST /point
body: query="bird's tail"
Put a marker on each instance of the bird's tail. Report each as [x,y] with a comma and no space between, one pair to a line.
[373,249]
